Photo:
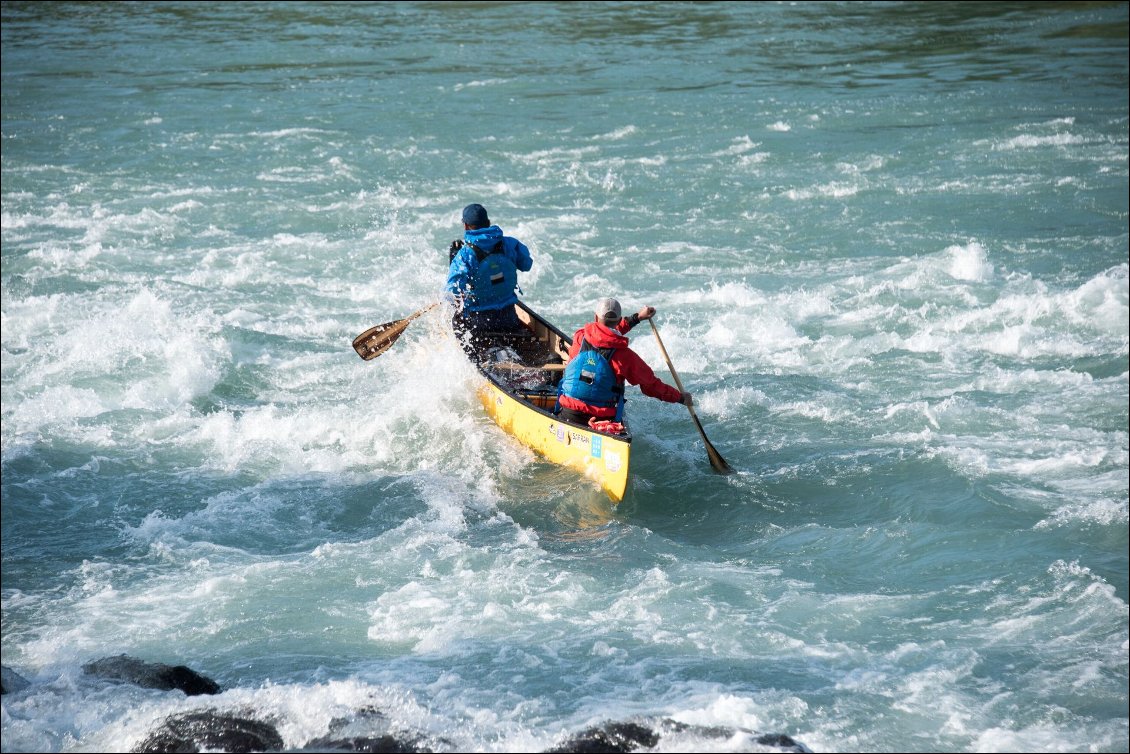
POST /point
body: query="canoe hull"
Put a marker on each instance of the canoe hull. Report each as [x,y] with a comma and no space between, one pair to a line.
[602,458]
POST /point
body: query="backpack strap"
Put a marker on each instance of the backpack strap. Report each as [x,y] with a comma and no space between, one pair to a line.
[480,255]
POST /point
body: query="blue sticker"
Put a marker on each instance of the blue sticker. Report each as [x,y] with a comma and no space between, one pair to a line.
[596,446]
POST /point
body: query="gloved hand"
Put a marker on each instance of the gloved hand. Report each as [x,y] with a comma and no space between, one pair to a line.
[687,400]
[456,245]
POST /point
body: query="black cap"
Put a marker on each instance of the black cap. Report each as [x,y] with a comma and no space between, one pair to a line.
[475,215]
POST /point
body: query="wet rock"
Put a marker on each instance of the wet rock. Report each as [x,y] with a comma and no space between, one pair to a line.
[783,743]
[211,731]
[152,675]
[610,737]
[367,730]
[620,737]
[11,681]
[773,741]
[386,744]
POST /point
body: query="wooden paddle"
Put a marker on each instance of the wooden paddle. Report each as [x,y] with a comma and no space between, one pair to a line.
[376,340]
[717,462]
[510,366]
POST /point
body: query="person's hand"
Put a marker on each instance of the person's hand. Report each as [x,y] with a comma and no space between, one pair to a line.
[687,400]
[454,300]
[646,313]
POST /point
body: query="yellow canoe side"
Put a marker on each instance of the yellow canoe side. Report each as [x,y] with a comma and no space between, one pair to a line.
[600,457]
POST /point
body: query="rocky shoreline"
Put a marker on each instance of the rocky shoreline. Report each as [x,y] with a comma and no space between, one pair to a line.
[367,730]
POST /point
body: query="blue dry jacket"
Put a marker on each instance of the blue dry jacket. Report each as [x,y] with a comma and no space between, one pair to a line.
[488,284]
[590,378]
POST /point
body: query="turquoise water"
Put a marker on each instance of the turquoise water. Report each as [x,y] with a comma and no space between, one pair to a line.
[888,247]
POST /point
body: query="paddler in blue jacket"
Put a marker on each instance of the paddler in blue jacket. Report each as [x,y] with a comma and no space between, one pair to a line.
[483,277]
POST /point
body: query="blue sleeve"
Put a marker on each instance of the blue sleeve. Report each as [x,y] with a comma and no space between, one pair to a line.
[458,274]
[522,259]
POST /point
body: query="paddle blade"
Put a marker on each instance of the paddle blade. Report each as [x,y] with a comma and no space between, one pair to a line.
[715,458]
[717,462]
[376,340]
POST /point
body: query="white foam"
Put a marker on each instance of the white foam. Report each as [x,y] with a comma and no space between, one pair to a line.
[738,146]
[1032,141]
[145,356]
[617,134]
[478,83]
[831,190]
[970,263]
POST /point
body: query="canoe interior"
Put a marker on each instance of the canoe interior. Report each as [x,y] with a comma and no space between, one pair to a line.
[528,365]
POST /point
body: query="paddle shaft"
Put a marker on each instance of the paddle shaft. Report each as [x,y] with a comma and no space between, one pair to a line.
[423,311]
[515,367]
[717,462]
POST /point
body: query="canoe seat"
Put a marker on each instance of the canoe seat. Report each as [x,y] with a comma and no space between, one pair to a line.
[546,399]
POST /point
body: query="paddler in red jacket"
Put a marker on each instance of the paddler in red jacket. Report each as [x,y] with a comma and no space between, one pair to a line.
[600,362]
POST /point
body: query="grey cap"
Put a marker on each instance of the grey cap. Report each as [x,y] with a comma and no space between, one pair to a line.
[608,311]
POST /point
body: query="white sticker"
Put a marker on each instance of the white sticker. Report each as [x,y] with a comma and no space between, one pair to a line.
[612,460]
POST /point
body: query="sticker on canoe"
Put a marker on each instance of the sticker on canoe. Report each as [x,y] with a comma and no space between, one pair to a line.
[612,461]
[596,443]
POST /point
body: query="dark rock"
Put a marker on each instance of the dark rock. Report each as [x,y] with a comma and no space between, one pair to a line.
[386,744]
[152,675]
[781,741]
[620,737]
[777,741]
[612,738]
[711,731]
[367,730]
[211,731]
[11,681]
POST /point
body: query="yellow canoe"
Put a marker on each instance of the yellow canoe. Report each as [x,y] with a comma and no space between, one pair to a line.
[521,373]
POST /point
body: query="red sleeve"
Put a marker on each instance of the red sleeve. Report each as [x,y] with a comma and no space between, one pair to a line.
[575,346]
[627,364]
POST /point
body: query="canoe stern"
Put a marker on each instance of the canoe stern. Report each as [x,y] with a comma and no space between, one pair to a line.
[601,457]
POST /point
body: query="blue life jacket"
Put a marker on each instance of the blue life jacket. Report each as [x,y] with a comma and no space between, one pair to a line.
[494,278]
[590,378]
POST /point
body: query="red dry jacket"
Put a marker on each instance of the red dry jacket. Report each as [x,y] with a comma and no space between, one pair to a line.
[626,363]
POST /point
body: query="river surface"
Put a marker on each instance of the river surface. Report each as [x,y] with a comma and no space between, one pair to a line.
[888,245]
